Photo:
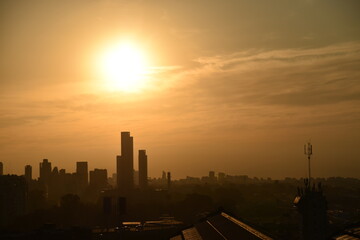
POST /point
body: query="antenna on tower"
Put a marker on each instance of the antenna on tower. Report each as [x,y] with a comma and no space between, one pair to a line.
[308,153]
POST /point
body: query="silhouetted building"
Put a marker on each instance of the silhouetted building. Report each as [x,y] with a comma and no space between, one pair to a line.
[125,163]
[1,168]
[212,178]
[168,180]
[221,177]
[68,182]
[121,206]
[98,178]
[55,172]
[28,173]
[136,178]
[312,205]
[112,180]
[13,192]
[82,175]
[206,179]
[53,185]
[143,169]
[45,171]
[113,205]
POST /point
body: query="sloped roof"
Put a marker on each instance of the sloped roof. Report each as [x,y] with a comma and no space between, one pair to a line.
[348,234]
[219,227]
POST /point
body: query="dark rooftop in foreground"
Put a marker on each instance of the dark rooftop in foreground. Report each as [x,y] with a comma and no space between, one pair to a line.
[352,233]
[219,227]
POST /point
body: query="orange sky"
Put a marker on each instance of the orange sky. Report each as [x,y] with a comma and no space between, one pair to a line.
[236,86]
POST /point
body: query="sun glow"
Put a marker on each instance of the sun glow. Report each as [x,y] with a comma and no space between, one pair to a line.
[124,68]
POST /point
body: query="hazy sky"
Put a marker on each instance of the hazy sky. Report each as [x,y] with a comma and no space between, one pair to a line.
[238,86]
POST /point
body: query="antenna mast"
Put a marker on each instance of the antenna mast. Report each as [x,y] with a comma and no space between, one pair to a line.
[308,153]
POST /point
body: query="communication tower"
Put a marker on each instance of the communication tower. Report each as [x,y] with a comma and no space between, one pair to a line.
[308,152]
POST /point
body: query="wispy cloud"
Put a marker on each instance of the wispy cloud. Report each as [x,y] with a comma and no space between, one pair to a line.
[8,121]
[287,77]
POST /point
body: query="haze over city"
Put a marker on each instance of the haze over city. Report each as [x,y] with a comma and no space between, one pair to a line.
[236,86]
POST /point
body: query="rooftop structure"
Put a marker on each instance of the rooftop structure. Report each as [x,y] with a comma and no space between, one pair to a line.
[218,227]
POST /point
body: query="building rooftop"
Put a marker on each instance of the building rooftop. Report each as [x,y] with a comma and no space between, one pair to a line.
[219,227]
[348,234]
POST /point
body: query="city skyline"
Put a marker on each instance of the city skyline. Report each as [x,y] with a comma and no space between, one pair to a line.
[236,86]
[125,170]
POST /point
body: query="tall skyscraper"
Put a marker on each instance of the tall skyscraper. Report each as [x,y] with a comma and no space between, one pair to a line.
[143,169]
[1,169]
[82,175]
[125,163]
[28,173]
[45,171]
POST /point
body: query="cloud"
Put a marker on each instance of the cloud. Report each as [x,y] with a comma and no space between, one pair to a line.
[9,121]
[268,89]
[294,77]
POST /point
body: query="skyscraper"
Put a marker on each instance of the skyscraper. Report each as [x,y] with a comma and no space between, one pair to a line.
[45,171]
[143,169]
[28,173]
[125,163]
[82,175]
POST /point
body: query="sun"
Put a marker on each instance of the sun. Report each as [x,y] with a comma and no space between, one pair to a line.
[124,68]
